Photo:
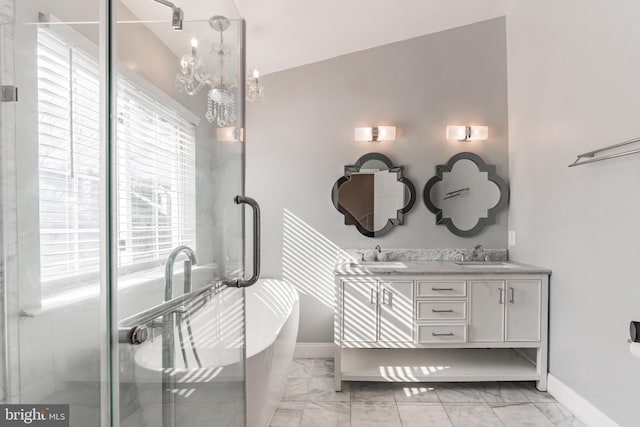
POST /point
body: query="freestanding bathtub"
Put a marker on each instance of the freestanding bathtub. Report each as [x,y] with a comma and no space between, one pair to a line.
[214,391]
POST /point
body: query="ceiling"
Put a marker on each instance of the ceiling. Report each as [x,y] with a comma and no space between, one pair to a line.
[283,34]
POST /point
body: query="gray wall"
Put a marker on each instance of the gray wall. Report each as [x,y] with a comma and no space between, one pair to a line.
[301,136]
[574,87]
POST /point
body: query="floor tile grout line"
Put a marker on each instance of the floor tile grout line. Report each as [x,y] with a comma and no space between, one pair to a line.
[398,411]
[447,413]
[496,414]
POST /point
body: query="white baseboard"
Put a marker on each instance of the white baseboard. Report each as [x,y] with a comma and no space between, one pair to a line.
[314,350]
[578,405]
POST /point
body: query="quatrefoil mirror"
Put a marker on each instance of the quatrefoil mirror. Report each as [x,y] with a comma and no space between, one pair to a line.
[373,195]
[466,194]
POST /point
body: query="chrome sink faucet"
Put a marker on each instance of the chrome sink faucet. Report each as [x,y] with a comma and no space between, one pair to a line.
[376,253]
[475,255]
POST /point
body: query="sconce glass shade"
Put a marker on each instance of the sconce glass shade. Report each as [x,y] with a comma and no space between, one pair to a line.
[479,133]
[378,133]
[468,133]
[386,133]
[230,134]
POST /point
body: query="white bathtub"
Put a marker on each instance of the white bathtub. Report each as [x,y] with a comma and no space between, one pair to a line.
[215,391]
[273,311]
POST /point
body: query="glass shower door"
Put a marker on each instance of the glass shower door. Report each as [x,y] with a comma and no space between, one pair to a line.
[178,156]
[52,145]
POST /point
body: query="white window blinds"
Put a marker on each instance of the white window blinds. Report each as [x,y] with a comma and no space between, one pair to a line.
[156,182]
[155,165]
[68,149]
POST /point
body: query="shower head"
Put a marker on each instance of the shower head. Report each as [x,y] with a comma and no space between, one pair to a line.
[176,19]
[177,14]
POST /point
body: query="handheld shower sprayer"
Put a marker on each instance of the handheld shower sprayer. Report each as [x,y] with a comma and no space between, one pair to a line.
[177,14]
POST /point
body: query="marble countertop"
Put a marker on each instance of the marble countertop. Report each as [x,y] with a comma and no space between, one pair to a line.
[435,268]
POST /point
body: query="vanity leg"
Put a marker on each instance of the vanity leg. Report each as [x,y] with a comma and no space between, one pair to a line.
[337,369]
[541,365]
[542,358]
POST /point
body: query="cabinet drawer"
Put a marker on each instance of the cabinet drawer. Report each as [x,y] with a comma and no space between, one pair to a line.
[442,310]
[442,333]
[456,288]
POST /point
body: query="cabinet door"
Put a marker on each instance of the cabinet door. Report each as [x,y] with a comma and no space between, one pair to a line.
[359,310]
[396,311]
[486,310]
[523,310]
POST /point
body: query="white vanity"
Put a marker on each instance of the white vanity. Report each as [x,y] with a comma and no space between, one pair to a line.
[439,321]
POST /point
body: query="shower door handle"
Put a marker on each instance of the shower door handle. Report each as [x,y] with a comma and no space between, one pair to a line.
[242,283]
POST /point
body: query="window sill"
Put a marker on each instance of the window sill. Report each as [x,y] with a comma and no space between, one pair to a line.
[92,290]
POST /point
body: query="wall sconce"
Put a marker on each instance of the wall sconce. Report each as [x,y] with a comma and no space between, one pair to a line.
[230,134]
[468,133]
[375,134]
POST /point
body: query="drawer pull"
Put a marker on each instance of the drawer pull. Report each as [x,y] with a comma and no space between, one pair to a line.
[373,297]
[513,298]
[442,311]
[448,334]
[442,289]
[387,301]
[500,300]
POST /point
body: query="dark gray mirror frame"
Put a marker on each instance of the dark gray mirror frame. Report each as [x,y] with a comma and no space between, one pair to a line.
[392,222]
[491,213]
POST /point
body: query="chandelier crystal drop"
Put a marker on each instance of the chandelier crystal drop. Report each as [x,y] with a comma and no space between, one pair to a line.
[193,77]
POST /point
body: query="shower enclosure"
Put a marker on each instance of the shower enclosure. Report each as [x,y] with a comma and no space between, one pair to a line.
[121,156]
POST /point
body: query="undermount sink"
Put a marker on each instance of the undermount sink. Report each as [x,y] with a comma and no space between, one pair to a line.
[378,264]
[485,264]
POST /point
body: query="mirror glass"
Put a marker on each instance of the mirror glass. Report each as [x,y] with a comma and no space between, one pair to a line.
[466,194]
[373,195]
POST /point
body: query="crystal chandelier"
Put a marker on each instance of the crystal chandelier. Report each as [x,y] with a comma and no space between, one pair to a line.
[255,89]
[193,76]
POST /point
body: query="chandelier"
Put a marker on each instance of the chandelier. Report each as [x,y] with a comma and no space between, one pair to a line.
[193,77]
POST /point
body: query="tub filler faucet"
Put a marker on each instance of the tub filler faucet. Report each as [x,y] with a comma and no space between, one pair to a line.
[168,339]
[168,270]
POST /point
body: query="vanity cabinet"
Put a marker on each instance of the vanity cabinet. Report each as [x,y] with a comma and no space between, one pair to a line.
[522,310]
[396,311]
[360,310]
[377,311]
[504,310]
[431,327]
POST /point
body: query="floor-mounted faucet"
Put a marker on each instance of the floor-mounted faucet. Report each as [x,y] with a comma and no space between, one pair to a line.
[168,270]
[168,322]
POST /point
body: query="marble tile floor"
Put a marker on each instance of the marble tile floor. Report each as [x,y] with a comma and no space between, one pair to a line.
[311,401]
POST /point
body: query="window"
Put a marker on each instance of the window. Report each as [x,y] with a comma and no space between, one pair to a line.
[155,164]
